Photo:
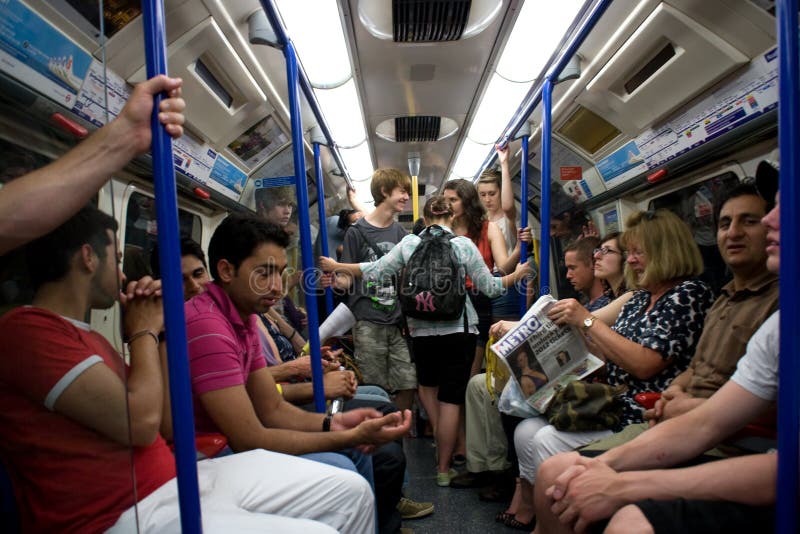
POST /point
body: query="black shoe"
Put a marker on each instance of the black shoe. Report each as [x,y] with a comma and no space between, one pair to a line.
[469,480]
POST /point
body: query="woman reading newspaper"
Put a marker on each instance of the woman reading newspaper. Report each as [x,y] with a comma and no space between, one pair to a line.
[443,350]
[650,343]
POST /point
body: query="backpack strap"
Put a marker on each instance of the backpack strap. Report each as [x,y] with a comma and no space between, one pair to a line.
[370,243]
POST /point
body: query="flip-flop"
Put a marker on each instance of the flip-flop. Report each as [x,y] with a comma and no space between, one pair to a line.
[512,522]
[503,516]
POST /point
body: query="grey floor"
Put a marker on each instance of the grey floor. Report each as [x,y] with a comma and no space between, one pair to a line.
[457,510]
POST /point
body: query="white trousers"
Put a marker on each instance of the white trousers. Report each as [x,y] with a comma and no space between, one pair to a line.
[262,491]
[536,440]
[487,447]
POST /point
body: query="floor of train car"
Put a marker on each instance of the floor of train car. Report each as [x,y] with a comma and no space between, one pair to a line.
[457,510]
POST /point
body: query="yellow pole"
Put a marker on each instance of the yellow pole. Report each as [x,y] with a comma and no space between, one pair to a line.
[415,197]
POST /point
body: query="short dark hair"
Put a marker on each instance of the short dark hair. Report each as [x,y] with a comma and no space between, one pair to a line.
[238,235]
[344,219]
[189,247]
[584,248]
[49,256]
[747,188]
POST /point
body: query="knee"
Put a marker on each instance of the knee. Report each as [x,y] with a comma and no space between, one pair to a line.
[475,385]
[389,458]
[553,467]
[358,491]
[629,520]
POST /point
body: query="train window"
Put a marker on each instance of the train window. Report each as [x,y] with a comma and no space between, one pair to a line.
[695,205]
[141,234]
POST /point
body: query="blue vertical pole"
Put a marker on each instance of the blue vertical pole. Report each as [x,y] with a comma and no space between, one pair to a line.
[306,250]
[323,225]
[789,369]
[523,220]
[544,248]
[172,280]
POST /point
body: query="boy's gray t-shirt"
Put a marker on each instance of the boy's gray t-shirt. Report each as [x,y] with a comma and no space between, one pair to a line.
[374,302]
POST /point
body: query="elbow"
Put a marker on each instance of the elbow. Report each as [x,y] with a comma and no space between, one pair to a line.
[145,433]
[644,372]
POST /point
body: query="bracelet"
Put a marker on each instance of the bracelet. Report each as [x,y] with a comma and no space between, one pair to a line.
[141,333]
[294,333]
[326,423]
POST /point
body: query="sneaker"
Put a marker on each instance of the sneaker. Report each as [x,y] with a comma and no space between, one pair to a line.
[443,479]
[410,509]
[459,460]
[405,530]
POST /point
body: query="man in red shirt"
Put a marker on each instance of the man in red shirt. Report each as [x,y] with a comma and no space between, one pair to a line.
[77,424]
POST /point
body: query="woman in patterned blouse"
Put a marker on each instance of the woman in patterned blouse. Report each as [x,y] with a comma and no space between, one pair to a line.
[651,342]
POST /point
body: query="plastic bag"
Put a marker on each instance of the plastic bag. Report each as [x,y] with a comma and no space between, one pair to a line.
[513,403]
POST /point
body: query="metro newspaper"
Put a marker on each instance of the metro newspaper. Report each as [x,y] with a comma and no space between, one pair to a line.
[544,357]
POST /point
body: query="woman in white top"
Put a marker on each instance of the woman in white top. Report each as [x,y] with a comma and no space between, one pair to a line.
[497,197]
[443,351]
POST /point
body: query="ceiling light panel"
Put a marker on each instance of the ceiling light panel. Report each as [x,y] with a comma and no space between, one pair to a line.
[537,32]
[319,40]
[342,112]
[470,158]
[499,103]
[358,161]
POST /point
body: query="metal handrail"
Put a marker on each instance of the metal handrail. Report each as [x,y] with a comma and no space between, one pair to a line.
[166,198]
[788,482]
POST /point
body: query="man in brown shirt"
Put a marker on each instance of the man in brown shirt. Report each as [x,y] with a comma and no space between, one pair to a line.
[745,303]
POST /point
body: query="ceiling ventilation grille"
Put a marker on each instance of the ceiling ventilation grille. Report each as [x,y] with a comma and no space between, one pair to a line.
[417,129]
[423,21]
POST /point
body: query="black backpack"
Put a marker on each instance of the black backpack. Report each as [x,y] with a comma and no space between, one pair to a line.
[433,282]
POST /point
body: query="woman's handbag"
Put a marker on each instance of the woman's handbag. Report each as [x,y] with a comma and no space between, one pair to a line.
[582,406]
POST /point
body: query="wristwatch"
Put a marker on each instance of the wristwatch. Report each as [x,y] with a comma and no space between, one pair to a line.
[588,322]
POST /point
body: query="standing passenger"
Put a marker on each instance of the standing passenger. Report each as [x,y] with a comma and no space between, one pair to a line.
[443,350]
[381,352]
[497,197]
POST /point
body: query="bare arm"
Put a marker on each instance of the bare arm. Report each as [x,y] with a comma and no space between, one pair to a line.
[609,313]
[355,203]
[506,192]
[256,416]
[684,437]
[98,398]
[288,331]
[497,242]
[640,361]
[594,491]
[38,202]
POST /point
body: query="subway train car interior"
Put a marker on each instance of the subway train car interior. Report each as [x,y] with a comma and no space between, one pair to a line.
[584,149]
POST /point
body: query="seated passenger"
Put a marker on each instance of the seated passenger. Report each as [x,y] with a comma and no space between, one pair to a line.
[193,267]
[442,349]
[728,495]
[487,446]
[68,397]
[234,393]
[650,343]
[579,261]
[609,262]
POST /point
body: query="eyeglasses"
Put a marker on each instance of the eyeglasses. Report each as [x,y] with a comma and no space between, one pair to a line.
[639,254]
[604,251]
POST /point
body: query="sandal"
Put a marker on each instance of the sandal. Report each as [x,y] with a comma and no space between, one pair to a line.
[503,516]
[512,522]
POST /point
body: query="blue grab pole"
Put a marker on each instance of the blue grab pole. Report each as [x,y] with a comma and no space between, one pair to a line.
[172,280]
[523,220]
[789,368]
[323,224]
[544,215]
[306,250]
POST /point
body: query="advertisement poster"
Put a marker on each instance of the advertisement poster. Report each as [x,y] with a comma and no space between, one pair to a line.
[623,164]
[35,53]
